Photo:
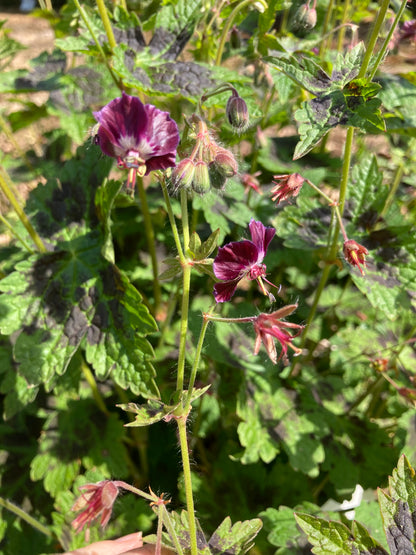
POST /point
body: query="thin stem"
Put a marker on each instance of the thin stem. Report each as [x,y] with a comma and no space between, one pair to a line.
[228,25]
[186,282]
[196,363]
[9,134]
[14,232]
[24,516]
[172,220]
[187,477]
[373,38]
[88,375]
[396,182]
[345,16]
[171,531]
[4,179]
[349,141]
[246,319]
[97,43]
[106,22]
[380,55]
[150,238]
[185,220]
[327,19]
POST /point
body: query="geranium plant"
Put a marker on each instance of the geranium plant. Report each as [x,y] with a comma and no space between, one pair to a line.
[207,298]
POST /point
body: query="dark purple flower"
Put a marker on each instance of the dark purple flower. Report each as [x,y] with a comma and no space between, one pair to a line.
[140,136]
[242,259]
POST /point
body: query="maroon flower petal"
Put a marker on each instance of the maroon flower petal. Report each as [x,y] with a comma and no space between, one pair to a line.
[223,291]
[161,162]
[234,259]
[161,133]
[261,237]
[123,123]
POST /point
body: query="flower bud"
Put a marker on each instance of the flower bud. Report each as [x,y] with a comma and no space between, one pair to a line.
[216,177]
[183,174]
[225,162]
[305,18]
[355,254]
[201,182]
[235,40]
[237,112]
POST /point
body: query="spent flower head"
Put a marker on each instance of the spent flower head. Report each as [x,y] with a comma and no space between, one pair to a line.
[242,259]
[287,186]
[96,502]
[355,254]
[269,327]
[140,136]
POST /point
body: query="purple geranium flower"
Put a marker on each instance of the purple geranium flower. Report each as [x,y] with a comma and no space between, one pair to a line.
[242,259]
[140,136]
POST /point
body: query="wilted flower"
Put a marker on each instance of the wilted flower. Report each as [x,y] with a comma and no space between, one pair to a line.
[269,327]
[242,259]
[141,137]
[97,501]
[287,186]
[355,254]
[251,182]
[237,111]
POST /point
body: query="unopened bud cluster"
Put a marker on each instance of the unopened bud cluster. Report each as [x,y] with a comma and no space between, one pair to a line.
[207,167]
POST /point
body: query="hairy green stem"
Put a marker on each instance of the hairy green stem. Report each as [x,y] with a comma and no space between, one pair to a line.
[4,185]
[15,234]
[187,477]
[106,22]
[150,238]
[228,25]
[373,38]
[195,365]
[380,55]
[97,44]
[185,220]
[24,516]
[172,220]
[186,281]
[395,185]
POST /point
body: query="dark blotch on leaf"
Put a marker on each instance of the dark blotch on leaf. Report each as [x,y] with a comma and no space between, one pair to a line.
[75,326]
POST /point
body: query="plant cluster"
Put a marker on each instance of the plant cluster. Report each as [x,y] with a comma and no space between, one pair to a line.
[207,301]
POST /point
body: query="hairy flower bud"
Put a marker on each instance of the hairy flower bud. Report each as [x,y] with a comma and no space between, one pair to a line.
[216,176]
[304,19]
[201,183]
[225,162]
[183,174]
[237,112]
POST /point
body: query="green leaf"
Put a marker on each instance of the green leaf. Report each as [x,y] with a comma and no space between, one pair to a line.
[398,509]
[71,296]
[236,538]
[327,537]
[155,411]
[104,200]
[367,192]
[304,71]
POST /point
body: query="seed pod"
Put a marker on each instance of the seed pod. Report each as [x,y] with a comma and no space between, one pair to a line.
[201,182]
[183,174]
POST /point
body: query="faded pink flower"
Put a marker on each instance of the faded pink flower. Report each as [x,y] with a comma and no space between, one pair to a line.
[242,259]
[140,136]
[96,502]
[287,186]
[269,327]
[355,254]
